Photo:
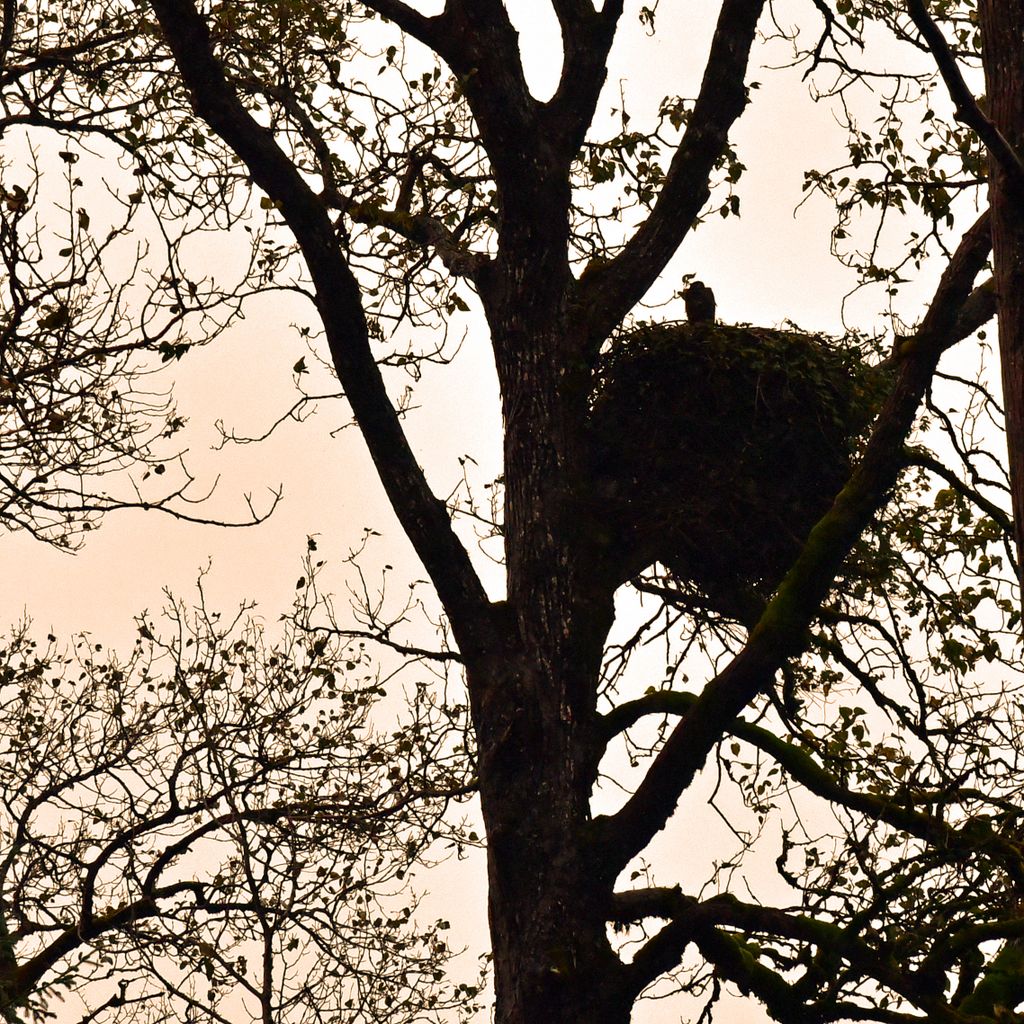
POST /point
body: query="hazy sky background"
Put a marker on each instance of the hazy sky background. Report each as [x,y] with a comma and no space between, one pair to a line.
[769,266]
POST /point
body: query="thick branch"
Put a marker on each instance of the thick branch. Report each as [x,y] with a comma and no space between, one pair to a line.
[482,48]
[423,516]
[703,922]
[586,41]
[782,629]
[734,961]
[803,769]
[477,41]
[572,12]
[967,109]
[1001,987]
[610,290]
[431,31]
[727,952]
[25,979]
[979,308]
[661,702]
[426,231]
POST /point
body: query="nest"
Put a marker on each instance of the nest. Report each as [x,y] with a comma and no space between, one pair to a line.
[716,448]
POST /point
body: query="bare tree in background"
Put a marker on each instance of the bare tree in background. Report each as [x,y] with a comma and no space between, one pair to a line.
[213,829]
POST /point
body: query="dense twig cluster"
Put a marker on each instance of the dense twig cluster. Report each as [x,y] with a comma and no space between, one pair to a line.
[215,827]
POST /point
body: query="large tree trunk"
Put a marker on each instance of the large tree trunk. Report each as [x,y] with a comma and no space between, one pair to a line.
[536,721]
[1002,34]
[535,708]
[547,908]
[536,726]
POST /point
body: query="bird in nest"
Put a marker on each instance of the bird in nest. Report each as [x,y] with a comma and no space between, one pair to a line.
[700,303]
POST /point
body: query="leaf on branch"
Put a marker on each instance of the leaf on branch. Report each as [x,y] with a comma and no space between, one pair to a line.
[172,350]
[58,317]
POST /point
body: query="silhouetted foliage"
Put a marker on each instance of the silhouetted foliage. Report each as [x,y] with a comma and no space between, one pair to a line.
[817,539]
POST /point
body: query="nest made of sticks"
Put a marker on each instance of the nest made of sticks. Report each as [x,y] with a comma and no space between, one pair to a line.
[717,447]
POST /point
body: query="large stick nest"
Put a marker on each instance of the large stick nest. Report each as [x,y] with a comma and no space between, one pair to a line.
[716,448]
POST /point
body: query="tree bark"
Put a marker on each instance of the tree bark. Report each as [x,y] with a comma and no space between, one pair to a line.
[1002,36]
[537,722]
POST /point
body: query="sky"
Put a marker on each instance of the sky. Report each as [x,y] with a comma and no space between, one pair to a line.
[771,265]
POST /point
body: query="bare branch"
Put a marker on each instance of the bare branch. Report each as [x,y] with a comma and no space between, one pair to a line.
[433,31]
[423,516]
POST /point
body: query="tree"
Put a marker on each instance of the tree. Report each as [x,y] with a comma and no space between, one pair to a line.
[839,612]
[84,422]
[212,828]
